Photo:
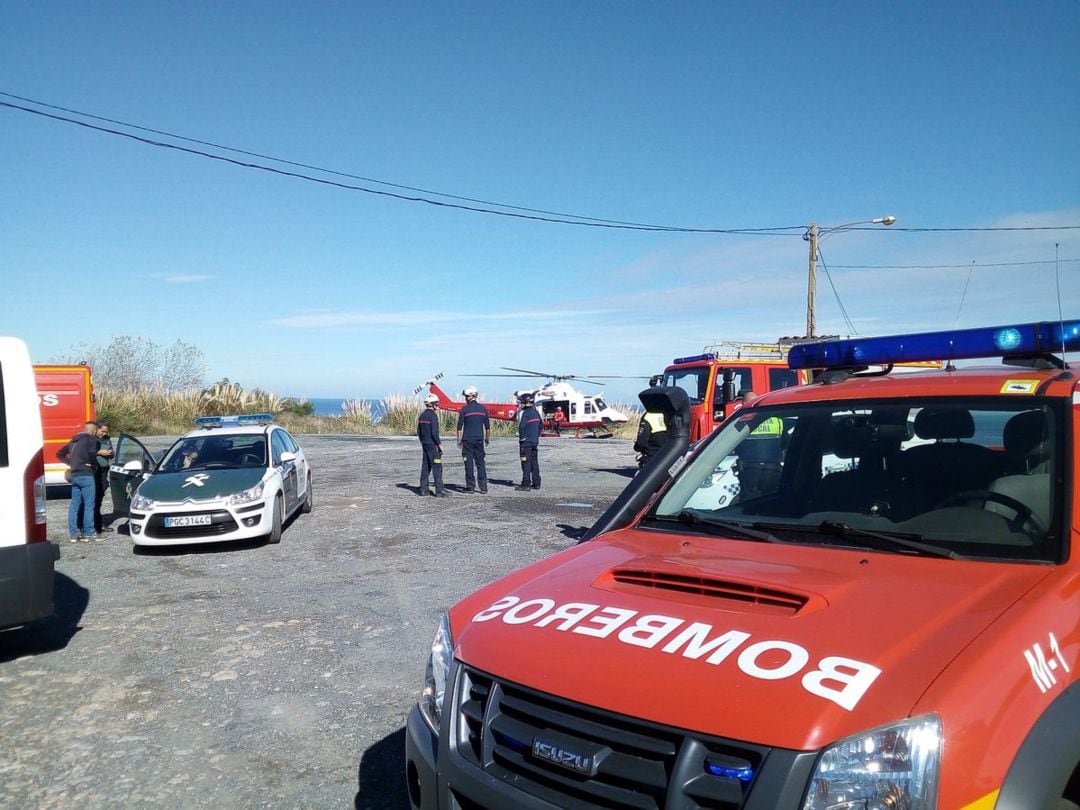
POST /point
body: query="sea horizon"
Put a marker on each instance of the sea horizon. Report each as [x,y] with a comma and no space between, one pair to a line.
[331,406]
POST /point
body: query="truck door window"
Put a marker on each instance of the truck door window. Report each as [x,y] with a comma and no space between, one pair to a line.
[782,378]
[743,382]
[694,381]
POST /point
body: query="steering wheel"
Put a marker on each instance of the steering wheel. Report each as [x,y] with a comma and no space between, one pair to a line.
[1024,513]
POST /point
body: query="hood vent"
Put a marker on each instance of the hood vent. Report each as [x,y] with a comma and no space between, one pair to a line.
[767,600]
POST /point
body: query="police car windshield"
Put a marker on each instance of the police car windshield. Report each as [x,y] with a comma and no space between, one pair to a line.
[977,476]
[215,452]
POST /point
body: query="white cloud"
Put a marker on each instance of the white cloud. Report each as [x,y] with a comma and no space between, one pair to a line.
[187,279]
[414,318]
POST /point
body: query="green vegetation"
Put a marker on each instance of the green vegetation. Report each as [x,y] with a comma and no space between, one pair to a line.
[154,412]
[151,390]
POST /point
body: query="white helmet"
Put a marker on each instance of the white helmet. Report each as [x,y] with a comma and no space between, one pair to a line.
[470,391]
[431,399]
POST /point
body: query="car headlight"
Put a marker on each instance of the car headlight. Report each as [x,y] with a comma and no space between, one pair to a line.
[438,669]
[248,495]
[141,503]
[893,766]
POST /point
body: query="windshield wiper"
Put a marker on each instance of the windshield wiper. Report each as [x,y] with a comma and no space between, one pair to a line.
[690,517]
[845,530]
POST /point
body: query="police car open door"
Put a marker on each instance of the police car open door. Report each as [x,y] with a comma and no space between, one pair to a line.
[131,463]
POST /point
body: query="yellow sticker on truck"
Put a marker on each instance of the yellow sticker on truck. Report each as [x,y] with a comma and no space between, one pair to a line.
[1020,387]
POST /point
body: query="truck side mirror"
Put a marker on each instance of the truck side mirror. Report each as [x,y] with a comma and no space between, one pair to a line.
[729,392]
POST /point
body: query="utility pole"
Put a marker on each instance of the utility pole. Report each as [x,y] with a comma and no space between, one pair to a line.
[812,234]
[811,284]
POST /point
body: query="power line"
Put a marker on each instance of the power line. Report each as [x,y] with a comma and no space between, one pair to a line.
[973,230]
[540,214]
[843,311]
[514,211]
[941,266]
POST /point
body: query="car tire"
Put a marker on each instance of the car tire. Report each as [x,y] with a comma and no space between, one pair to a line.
[276,521]
[309,499]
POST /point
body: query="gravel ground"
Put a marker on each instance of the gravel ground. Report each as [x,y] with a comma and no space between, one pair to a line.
[246,675]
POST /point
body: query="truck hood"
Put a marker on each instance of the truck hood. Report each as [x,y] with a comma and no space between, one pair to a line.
[199,485]
[783,645]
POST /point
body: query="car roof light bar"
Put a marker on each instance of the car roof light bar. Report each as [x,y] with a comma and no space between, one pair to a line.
[234,419]
[1029,339]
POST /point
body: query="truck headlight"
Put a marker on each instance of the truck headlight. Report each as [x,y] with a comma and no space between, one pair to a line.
[438,668]
[141,503]
[893,766]
[248,495]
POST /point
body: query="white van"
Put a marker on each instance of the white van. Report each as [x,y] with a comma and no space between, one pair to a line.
[27,558]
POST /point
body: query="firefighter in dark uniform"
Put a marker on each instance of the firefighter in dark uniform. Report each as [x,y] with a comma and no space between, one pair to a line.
[427,430]
[473,433]
[530,423]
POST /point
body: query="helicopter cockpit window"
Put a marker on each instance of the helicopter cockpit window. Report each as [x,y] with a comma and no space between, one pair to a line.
[600,405]
[588,407]
[694,381]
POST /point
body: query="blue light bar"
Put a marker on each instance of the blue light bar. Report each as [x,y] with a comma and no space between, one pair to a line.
[234,419]
[694,359]
[959,344]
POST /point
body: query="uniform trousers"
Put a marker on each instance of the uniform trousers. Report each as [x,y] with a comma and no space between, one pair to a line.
[530,465]
[472,453]
[431,465]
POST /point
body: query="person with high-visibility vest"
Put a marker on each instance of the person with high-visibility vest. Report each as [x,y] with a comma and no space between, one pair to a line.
[759,457]
[651,436]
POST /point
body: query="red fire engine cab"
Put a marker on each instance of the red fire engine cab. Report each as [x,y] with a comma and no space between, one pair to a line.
[872,603]
[715,379]
[66,402]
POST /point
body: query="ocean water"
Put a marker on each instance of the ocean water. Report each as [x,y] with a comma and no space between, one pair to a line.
[331,406]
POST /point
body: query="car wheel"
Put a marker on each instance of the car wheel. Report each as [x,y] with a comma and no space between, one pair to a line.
[309,499]
[275,529]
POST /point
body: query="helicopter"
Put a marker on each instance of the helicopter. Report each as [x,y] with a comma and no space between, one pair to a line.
[561,405]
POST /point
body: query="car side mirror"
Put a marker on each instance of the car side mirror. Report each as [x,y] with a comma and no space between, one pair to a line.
[286,457]
[133,466]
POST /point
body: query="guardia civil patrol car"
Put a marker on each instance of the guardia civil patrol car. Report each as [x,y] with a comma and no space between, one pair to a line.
[232,478]
[880,610]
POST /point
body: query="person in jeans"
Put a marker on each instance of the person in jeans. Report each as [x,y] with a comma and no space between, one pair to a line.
[80,454]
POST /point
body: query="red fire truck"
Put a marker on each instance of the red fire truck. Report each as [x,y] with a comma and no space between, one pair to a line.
[714,379]
[886,614]
[66,398]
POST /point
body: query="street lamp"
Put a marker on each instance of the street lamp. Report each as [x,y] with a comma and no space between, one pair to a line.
[813,234]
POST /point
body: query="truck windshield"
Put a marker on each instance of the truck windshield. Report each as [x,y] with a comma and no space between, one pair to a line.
[980,477]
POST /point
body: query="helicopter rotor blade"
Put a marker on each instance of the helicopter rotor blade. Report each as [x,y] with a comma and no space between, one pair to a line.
[531,373]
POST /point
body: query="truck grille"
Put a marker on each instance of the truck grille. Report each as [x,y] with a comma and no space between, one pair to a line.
[566,753]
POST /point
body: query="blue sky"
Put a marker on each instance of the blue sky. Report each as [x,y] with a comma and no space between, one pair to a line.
[706,115]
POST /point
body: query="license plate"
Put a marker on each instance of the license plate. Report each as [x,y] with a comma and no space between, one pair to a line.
[187,520]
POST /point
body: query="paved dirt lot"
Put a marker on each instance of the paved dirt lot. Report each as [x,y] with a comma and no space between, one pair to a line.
[273,676]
